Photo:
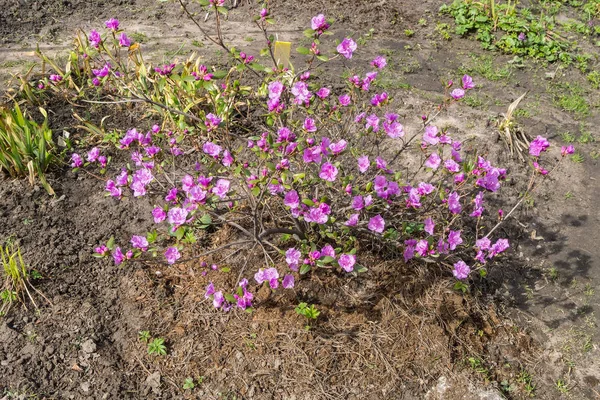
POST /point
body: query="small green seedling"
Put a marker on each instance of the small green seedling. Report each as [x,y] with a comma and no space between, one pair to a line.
[308,312]
[144,336]
[157,346]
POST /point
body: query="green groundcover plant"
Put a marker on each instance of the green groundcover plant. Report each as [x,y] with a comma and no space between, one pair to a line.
[310,172]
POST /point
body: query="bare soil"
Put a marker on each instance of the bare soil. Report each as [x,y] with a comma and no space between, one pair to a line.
[398,332]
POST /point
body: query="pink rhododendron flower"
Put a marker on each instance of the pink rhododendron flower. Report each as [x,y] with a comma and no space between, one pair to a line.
[221,188]
[328,172]
[268,275]
[112,24]
[218,299]
[433,161]
[393,129]
[113,189]
[344,100]
[301,93]
[171,196]
[409,249]
[94,38]
[159,215]
[564,150]
[139,242]
[414,198]
[118,256]
[93,154]
[328,251]
[379,99]
[291,199]
[288,281]
[104,71]
[430,135]
[467,82]
[461,270]
[76,160]
[165,70]
[358,203]
[372,122]
[454,203]
[275,90]
[363,164]
[177,216]
[376,224]
[379,62]
[323,92]
[212,121]
[124,41]
[227,158]
[500,246]
[478,209]
[422,247]
[454,239]
[457,94]
[292,258]
[352,221]
[429,226]
[309,125]
[451,166]
[172,255]
[380,163]
[317,215]
[538,145]
[319,23]
[347,47]
[347,261]
[102,250]
[425,188]
[210,290]
[337,148]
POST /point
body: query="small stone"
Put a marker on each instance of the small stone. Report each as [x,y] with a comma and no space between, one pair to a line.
[88,346]
[85,386]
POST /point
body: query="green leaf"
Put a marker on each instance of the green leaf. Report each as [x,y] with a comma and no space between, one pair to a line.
[303,50]
[219,74]
[304,269]
[308,202]
[226,269]
[229,297]
[111,243]
[206,219]
[327,259]
[180,232]
[359,269]
[461,286]
[323,58]
[309,33]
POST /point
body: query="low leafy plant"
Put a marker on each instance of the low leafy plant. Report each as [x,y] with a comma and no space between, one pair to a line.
[157,347]
[144,336]
[26,148]
[309,312]
[512,29]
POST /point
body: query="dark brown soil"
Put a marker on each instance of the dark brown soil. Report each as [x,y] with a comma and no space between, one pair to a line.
[398,332]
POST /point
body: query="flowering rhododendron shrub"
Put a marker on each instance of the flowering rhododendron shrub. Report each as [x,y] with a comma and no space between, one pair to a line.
[319,178]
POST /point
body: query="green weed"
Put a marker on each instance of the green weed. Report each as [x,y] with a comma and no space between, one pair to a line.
[26,148]
[157,346]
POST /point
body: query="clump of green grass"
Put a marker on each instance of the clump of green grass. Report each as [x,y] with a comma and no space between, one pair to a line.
[571,98]
[487,67]
[26,148]
[15,278]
